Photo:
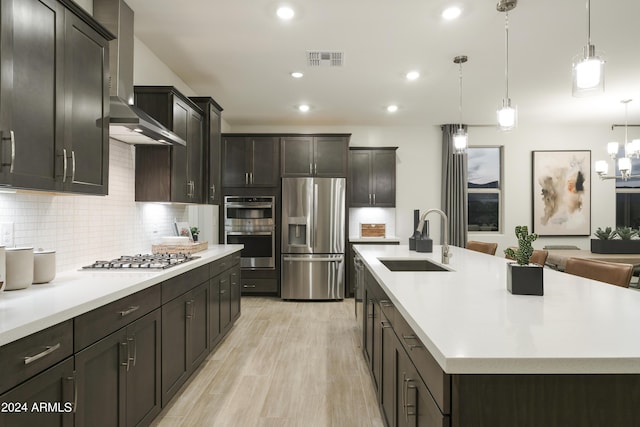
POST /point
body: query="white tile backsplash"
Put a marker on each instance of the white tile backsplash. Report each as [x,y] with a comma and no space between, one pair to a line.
[359,216]
[83,229]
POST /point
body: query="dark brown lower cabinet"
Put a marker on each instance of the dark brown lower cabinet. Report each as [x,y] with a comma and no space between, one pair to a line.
[390,346]
[214,312]
[53,387]
[236,290]
[118,378]
[185,342]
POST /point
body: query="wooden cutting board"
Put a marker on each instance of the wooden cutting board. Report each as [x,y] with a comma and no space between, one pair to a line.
[373,230]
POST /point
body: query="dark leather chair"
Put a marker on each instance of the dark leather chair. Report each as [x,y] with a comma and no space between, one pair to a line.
[537,257]
[484,247]
[613,273]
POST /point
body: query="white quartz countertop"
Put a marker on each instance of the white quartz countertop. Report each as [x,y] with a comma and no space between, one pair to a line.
[359,239]
[72,293]
[471,323]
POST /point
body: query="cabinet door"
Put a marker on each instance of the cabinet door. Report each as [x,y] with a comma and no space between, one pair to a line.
[383,182]
[225,302]
[211,150]
[179,180]
[415,406]
[387,395]
[174,344]
[214,311]
[101,380]
[194,153]
[360,178]
[264,162]
[32,93]
[330,156]
[55,386]
[367,319]
[297,156]
[236,290]
[235,152]
[87,108]
[197,324]
[143,377]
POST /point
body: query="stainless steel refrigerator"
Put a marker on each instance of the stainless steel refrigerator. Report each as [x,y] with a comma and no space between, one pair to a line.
[313,236]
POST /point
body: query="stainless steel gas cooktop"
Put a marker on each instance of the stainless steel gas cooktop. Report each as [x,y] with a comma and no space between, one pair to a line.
[142,261]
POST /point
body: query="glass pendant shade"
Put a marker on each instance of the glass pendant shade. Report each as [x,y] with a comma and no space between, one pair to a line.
[507,116]
[460,140]
[624,164]
[588,68]
[612,149]
[602,167]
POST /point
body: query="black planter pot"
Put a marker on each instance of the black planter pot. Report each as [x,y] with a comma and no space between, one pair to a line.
[615,246]
[195,237]
[525,279]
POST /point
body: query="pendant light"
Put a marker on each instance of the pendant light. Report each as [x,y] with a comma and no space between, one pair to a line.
[507,114]
[460,136]
[631,149]
[588,68]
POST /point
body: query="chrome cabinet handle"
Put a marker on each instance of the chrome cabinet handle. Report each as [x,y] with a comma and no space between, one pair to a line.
[374,198]
[369,198]
[75,391]
[246,178]
[310,169]
[385,324]
[249,286]
[123,346]
[409,337]
[315,169]
[213,192]
[13,150]
[385,303]
[48,350]
[64,165]
[413,388]
[73,166]
[189,310]
[251,176]
[129,310]
[130,342]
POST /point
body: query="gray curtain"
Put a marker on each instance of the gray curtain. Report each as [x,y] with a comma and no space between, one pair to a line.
[454,187]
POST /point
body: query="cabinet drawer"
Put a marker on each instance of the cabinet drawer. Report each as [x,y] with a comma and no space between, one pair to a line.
[438,382]
[30,355]
[178,285]
[94,325]
[259,286]
[223,264]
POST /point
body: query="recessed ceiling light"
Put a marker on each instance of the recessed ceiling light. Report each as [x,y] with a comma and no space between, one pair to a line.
[285,12]
[297,75]
[413,75]
[451,13]
[392,108]
[304,108]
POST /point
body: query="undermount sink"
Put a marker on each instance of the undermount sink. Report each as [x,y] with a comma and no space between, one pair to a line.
[412,265]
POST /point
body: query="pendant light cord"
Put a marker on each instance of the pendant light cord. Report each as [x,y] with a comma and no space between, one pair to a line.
[506,55]
[460,106]
[589,22]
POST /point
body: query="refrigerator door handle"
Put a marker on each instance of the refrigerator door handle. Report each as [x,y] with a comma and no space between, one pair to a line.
[315,216]
[339,258]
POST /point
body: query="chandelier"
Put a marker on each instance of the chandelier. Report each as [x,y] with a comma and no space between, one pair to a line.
[631,149]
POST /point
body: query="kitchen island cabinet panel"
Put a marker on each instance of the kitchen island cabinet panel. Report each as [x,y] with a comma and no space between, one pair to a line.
[55,386]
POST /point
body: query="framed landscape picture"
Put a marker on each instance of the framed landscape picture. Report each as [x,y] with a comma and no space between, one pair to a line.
[561,193]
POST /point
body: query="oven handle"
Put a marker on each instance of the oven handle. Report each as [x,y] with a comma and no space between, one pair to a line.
[249,206]
[248,233]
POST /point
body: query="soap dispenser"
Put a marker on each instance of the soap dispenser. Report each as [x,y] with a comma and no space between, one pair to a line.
[416,233]
[424,243]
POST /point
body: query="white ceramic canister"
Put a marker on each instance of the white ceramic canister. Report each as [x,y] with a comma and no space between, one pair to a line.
[3,268]
[19,268]
[44,266]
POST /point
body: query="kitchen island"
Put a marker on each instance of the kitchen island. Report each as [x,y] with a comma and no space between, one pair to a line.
[570,357]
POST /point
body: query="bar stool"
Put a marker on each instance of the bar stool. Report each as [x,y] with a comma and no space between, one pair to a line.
[484,247]
[614,273]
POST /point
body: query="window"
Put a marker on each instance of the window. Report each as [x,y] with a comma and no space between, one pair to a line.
[484,184]
[628,196]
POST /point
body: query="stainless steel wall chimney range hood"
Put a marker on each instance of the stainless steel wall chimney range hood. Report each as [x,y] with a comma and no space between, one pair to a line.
[127,122]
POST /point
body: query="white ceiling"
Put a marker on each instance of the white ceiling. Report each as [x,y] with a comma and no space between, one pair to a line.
[239,53]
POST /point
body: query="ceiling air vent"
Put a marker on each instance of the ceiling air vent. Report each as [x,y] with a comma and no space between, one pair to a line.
[317,58]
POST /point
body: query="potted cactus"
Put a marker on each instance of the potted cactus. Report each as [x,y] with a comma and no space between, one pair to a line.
[523,277]
[622,240]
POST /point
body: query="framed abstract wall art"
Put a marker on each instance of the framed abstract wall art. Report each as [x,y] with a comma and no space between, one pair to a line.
[561,193]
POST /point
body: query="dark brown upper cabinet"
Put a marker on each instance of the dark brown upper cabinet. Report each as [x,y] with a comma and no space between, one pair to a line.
[54,97]
[250,161]
[211,149]
[170,173]
[310,155]
[372,173]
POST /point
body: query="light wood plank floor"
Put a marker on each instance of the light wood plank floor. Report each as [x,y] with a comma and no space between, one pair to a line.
[283,364]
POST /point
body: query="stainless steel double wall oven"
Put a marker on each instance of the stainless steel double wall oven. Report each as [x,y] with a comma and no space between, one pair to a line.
[250,220]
